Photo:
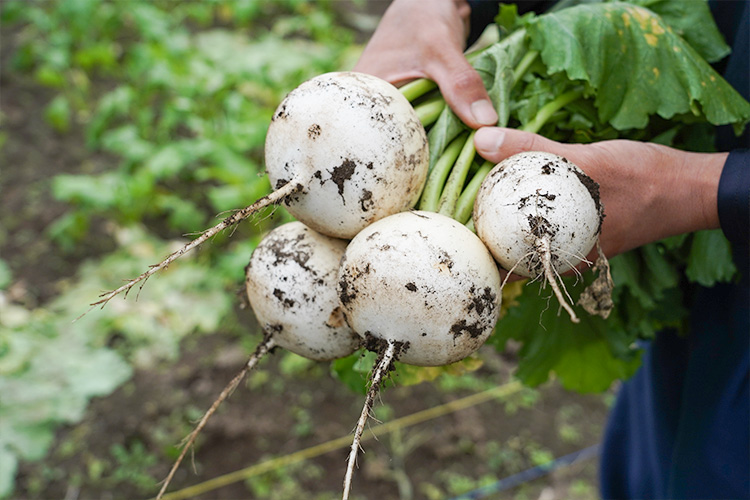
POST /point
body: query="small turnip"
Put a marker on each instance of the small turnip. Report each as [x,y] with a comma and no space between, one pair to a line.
[356,146]
[539,215]
[291,286]
[424,280]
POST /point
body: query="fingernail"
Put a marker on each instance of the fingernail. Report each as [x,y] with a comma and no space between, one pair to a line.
[489,140]
[483,112]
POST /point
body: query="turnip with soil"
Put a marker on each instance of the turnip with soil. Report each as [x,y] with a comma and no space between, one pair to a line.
[291,286]
[539,215]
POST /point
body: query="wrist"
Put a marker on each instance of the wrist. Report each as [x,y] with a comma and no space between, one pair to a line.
[690,190]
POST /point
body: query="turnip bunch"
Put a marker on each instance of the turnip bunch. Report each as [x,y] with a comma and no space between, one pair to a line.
[349,155]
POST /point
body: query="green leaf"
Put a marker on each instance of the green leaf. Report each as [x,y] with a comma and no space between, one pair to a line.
[496,66]
[692,21]
[8,467]
[585,357]
[94,192]
[710,260]
[5,275]
[352,370]
[57,113]
[637,65]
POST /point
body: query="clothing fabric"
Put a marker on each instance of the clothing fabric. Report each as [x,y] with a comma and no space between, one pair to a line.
[680,428]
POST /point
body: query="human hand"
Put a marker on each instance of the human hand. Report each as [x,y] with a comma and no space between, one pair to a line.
[649,192]
[425,39]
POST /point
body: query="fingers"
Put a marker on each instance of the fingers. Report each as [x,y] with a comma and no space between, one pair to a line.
[402,49]
[463,90]
[495,144]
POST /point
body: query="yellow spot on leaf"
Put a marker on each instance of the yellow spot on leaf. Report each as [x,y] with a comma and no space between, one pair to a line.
[626,19]
[656,72]
[656,27]
[651,39]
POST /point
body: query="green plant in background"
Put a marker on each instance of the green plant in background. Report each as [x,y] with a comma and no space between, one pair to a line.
[174,98]
[132,463]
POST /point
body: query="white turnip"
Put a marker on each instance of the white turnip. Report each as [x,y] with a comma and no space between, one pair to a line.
[291,287]
[539,215]
[355,144]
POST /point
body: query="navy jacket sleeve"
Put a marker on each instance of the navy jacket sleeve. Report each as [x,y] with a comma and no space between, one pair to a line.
[734,198]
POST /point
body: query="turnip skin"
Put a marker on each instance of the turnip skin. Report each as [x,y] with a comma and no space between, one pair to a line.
[357,147]
[423,280]
[532,195]
[291,287]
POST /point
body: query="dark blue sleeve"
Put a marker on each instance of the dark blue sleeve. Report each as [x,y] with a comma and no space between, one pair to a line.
[734,198]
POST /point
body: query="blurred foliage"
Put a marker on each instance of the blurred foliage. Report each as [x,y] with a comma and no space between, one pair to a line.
[176,98]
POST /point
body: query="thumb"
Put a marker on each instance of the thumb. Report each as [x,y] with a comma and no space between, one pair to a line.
[463,90]
[495,143]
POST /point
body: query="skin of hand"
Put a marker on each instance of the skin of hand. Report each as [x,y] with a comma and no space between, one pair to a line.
[649,191]
[425,39]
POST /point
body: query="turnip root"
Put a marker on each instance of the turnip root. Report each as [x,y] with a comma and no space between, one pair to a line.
[355,144]
[343,150]
[539,215]
[420,288]
[424,280]
[291,287]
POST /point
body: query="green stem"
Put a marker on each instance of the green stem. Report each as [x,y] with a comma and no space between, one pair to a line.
[465,204]
[551,108]
[429,110]
[435,182]
[416,89]
[524,65]
[457,177]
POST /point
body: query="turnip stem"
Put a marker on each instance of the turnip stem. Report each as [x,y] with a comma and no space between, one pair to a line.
[381,369]
[430,110]
[263,348]
[543,247]
[417,88]
[272,199]
[436,180]
[524,65]
[549,109]
[457,177]
[465,204]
